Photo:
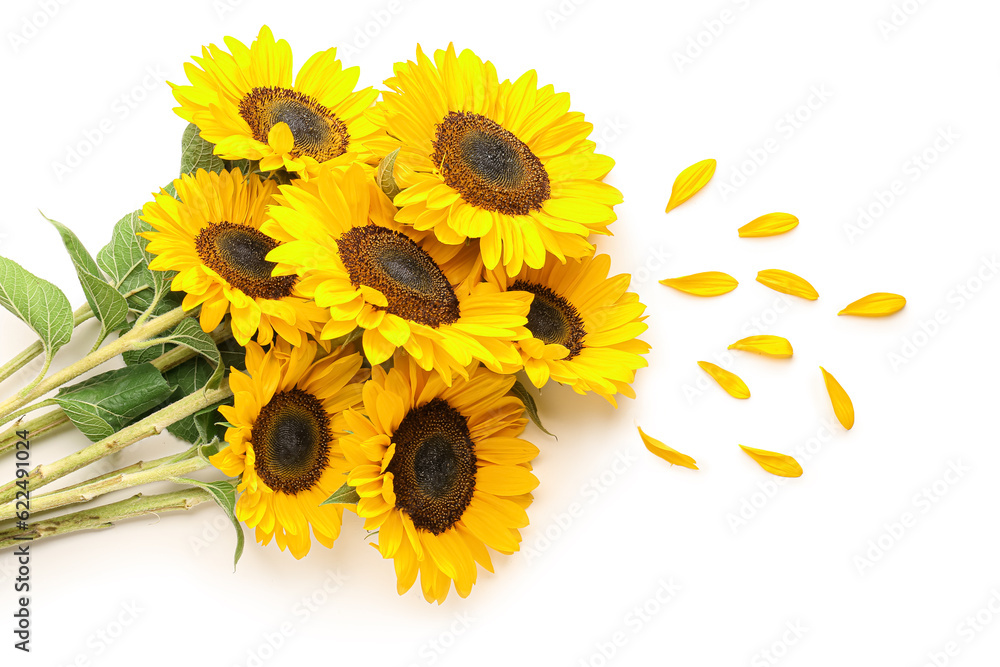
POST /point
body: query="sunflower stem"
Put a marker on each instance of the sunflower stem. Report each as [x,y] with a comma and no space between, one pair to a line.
[80,315]
[136,336]
[105,516]
[151,425]
[31,408]
[140,473]
[37,427]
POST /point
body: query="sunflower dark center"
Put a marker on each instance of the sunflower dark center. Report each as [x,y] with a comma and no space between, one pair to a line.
[553,319]
[413,284]
[489,166]
[317,131]
[434,467]
[237,253]
[291,442]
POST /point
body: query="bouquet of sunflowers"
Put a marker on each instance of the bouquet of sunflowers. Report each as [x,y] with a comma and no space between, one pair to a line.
[331,306]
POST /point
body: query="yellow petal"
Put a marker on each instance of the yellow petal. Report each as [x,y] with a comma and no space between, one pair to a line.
[689,182]
[771,346]
[875,305]
[668,454]
[842,406]
[775,463]
[771,224]
[709,283]
[731,382]
[787,283]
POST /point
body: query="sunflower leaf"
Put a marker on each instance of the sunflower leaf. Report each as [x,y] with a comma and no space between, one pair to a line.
[108,305]
[384,175]
[224,494]
[102,405]
[345,495]
[126,262]
[196,153]
[38,303]
[189,334]
[525,397]
[200,427]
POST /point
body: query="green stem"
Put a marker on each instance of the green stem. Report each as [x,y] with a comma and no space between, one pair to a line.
[31,408]
[105,516]
[81,315]
[151,425]
[137,335]
[50,421]
[134,475]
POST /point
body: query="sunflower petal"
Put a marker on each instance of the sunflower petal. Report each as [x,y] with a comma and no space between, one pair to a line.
[787,283]
[771,224]
[690,181]
[773,462]
[708,283]
[731,382]
[842,405]
[771,346]
[668,454]
[878,304]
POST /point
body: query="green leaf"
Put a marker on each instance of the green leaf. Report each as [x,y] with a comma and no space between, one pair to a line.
[345,495]
[104,404]
[189,334]
[223,493]
[521,392]
[38,303]
[384,176]
[196,153]
[126,262]
[108,305]
[187,378]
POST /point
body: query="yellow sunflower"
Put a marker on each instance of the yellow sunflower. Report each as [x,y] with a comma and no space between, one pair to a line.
[507,163]
[405,289]
[440,472]
[246,103]
[286,417]
[211,236]
[584,326]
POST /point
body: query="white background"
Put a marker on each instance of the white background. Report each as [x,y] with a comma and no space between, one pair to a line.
[842,100]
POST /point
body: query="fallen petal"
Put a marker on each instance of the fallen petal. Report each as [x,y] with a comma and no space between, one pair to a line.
[771,346]
[842,405]
[787,283]
[771,224]
[731,382]
[668,454]
[878,304]
[689,182]
[774,463]
[708,283]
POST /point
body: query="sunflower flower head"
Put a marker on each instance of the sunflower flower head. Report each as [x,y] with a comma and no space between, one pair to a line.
[246,102]
[584,326]
[506,163]
[282,442]
[405,289]
[211,235]
[440,471]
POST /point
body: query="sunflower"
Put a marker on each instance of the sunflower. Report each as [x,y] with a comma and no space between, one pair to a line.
[287,414]
[403,288]
[440,472]
[210,234]
[507,163]
[246,103]
[584,326]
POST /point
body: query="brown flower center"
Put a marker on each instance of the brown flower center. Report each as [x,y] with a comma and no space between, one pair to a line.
[237,253]
[434,467]
[553,319]
[317,131]
[395,265]
[291,442]
[489,166]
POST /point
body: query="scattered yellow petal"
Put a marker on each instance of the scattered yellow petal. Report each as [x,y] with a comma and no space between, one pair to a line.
[773,462]
[689,182]
[771,224]
[771,346]
[709,283]
[842,406]
[668,454]
[731,382]
[875,305]
[787,283]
